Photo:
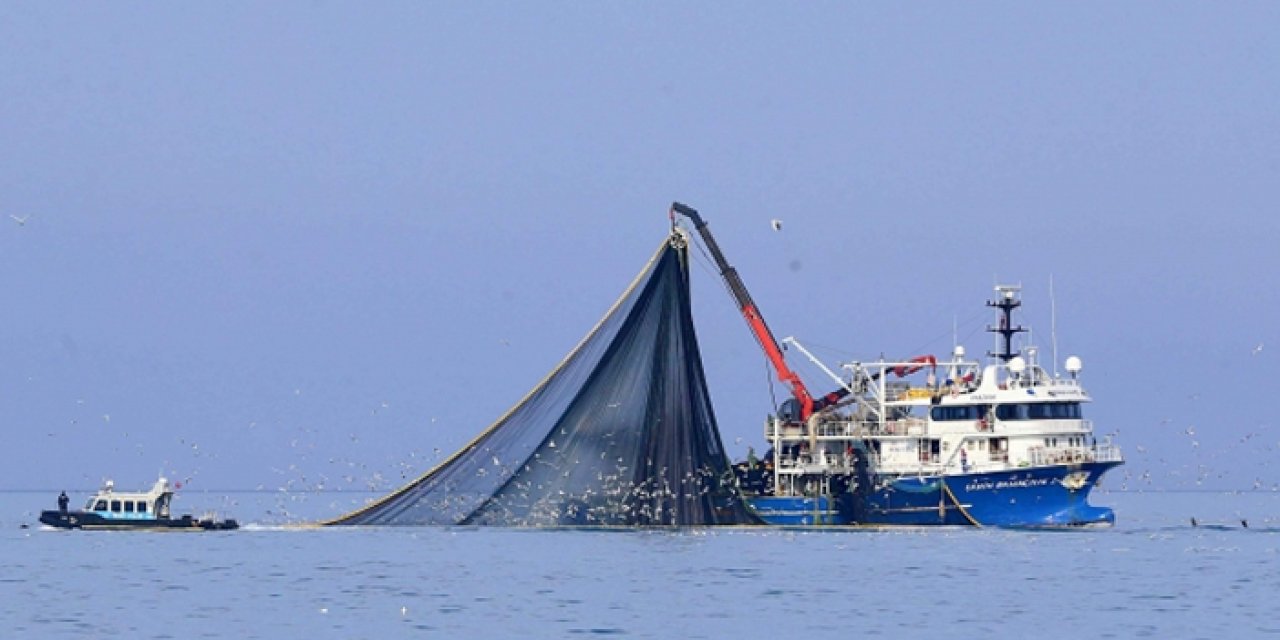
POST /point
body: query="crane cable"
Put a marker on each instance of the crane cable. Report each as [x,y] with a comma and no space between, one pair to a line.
[708,265]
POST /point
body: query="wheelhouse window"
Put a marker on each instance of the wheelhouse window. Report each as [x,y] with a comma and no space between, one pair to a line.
[1039,411]
[961,412]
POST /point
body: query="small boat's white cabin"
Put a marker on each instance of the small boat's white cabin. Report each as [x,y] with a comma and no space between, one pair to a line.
[152,504]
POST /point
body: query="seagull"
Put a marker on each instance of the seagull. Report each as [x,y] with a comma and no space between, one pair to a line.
[777,224]
[1257,349]
[21,221]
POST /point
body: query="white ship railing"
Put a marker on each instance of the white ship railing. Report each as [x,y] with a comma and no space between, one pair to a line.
[1040,456]
[1107,453]
[915,426]
[1046,425]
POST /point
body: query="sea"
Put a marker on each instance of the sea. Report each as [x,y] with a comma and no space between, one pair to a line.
[1152,575]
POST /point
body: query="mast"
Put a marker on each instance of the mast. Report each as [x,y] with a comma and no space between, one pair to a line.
[1006,301]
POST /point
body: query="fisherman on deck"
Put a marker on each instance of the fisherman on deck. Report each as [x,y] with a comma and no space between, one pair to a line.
[63,501]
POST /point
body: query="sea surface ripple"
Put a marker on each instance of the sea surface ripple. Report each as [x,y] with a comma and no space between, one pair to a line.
[1153,575]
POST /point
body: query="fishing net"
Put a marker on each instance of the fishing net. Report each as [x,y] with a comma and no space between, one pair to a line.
[620,434]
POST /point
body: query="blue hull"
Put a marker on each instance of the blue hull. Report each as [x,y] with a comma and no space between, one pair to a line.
[91,520]
[798,512]
[1048,497]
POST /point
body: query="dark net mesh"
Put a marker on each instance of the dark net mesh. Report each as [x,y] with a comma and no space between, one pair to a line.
[620,434]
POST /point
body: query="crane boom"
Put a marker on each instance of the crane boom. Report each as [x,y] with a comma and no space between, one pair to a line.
[750,311]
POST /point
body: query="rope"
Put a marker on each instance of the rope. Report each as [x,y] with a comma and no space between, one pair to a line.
[708,265]
[973,521]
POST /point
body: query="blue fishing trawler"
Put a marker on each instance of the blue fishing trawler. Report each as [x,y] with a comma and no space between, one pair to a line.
[1003,444]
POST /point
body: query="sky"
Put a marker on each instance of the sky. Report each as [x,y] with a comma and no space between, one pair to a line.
[323,244]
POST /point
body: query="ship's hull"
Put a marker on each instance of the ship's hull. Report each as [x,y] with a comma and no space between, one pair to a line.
[793,511]
[90,520]
[1053,496]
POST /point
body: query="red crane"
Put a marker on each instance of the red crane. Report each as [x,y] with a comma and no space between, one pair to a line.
[754,320]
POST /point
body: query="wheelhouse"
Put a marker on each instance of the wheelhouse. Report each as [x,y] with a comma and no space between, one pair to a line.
[152,504]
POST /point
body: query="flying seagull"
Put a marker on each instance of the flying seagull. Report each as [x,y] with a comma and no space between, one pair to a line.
[777,224]
[21,221]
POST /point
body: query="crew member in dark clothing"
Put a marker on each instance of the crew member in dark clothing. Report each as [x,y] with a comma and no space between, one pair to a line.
[63,501]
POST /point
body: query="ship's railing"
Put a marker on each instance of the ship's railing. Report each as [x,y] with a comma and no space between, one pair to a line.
[822,462]
[1058,426]
[842,429]
[1107,453]
[1039,456]
[914,426]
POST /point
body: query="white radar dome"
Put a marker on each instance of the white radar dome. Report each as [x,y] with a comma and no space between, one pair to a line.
[958,352]
[1017,364]
[1074,365]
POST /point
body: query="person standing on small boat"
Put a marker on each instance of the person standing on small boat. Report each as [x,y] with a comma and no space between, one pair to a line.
[63,501]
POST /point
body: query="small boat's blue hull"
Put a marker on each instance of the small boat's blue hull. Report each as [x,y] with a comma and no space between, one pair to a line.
[91,520]
[1039,497]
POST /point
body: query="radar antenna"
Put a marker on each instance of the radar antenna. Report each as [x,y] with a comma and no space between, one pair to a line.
[1006,301]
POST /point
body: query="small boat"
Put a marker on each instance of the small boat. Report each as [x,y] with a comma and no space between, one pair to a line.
[109,509]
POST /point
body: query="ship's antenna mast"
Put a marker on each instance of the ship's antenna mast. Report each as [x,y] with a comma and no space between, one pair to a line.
[1005,302]
[1053,325]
